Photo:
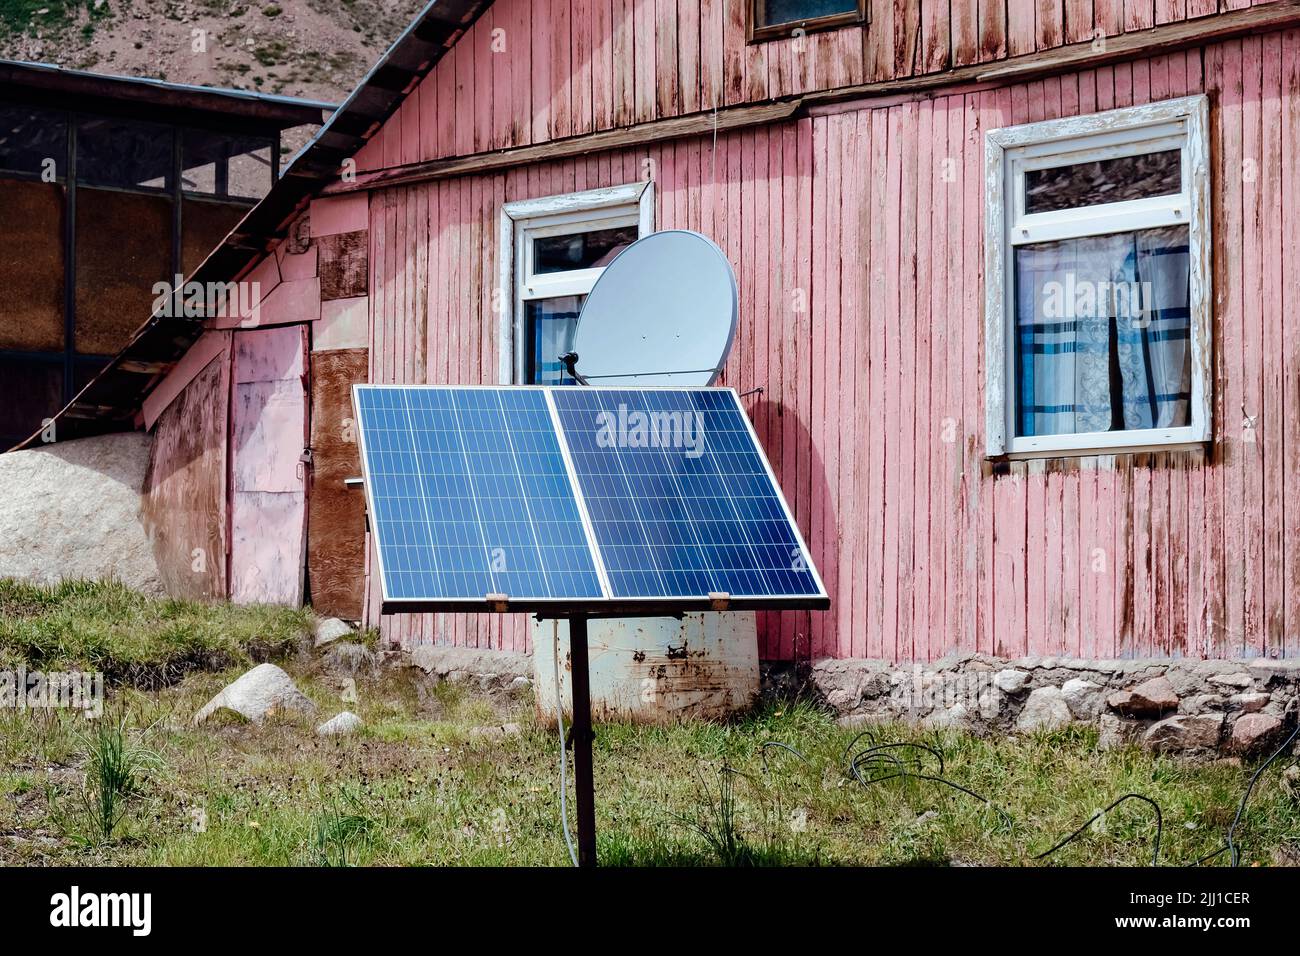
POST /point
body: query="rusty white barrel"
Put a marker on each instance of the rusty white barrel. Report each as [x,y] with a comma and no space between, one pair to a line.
[654,670]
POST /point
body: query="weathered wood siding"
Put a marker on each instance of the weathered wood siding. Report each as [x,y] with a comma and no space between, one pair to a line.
[857,240]
[183,505]
[530,71]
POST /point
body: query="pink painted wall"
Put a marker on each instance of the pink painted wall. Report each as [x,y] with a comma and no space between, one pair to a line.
[873,414]
[535,70]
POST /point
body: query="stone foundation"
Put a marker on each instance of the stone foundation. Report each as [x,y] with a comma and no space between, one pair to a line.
[1243,707]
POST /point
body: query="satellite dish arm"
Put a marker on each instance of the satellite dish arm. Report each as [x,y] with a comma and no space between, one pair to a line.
[570,360]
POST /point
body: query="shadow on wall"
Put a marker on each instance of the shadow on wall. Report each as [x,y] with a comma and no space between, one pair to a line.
[72,510]
[800,471]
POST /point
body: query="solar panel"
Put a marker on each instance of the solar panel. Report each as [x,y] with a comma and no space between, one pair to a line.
[469,496]
[614,498]
[680,497]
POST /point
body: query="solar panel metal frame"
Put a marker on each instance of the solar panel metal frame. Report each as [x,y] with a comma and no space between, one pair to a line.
[607,606]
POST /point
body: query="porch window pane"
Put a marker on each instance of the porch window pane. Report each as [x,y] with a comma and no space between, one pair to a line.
[772,12]
[1103,335]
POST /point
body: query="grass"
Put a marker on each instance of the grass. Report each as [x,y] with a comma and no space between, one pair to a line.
[21,16]
[133,639]
[422,784]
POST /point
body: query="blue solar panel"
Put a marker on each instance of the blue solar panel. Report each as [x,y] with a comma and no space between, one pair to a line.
[680,497]
[469,496]
[586,495]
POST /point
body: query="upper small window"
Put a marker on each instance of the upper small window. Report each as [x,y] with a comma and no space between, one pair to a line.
[770,19]
[561,245]
[1097,318]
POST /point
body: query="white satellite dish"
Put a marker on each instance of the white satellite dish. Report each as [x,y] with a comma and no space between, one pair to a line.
[662,313]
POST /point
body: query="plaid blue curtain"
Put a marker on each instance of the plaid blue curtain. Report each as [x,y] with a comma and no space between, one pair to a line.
[1103,333]
[552,323]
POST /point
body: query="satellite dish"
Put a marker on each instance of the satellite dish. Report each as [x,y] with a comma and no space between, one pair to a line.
[662,313]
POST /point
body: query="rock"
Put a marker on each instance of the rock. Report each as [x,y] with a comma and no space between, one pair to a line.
[1250,703]
[1083,697]
[71,509]
[991,702]
[1045,709]
[350,657]
[1147,699]
[952,718]
[263,692]
[1114,732]
[1184,732]
[341,725]
[519,684]
[1253,733]
[331,629]
[1239,679]
[1011,681]
[463,664]
[1201,704]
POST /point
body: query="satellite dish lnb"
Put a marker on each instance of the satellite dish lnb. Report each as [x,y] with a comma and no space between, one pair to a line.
[662,313]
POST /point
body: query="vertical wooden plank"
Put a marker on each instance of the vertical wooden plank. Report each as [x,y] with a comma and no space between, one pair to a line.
[1138,15]
[540,91]
[602,64]
[907,29]
[972,404]
[690,31]
[668,98]
[734,53]
[1078,21]
[878,55]
[879,644]
[965,30]
[644,50]
[993,30]
[945,418]
[1108,18]
[1254,278]
[909,455]
[1170,11]
[956,381]
[1049,26]
[926,431]
[559,28]
[936,38]
[1289,334]
[1020,27]
[581,68]
[850,639]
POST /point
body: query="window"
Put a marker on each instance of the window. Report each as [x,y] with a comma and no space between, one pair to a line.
[1097,282]
[553,251]
[770,19]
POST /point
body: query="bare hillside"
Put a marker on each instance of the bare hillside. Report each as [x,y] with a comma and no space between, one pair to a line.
[313,48]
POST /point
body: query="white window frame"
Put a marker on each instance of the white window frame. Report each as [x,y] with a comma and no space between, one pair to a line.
[1009,152]
[528,219]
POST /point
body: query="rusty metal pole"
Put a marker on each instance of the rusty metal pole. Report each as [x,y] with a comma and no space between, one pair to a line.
[583,784]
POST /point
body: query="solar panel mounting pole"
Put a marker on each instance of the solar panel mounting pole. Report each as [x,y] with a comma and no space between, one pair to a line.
[583,784]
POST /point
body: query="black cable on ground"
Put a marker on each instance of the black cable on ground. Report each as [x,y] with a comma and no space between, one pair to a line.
[1245,797]
[1160,826]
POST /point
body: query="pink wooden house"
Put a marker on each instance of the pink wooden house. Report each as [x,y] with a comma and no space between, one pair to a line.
[1017,279]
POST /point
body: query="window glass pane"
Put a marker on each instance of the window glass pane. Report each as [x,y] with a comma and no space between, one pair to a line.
[31,391]
[770,12]
[550,324]
[1102,336]
[121,153]
[29,137]
[580,250]
[31,265]
[216,164]
[1103,181]
[203,225]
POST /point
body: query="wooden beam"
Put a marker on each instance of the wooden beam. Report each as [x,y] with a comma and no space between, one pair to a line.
[1165,38]
[679,127]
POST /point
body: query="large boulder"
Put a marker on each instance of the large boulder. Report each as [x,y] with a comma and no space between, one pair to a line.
[72,510]
[263,692]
